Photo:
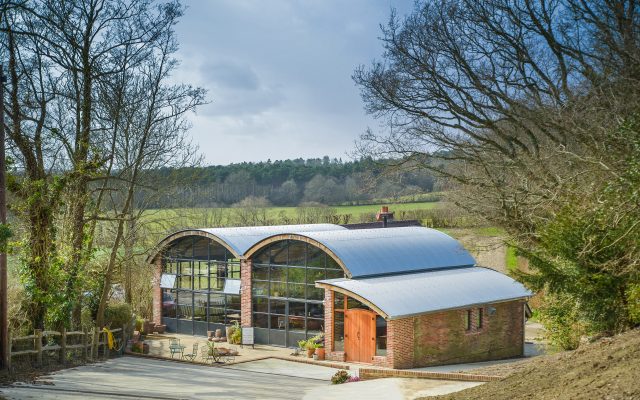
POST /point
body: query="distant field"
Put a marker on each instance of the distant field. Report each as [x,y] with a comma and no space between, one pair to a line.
[293,211]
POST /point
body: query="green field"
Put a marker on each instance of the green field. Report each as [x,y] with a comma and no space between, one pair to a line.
[293,211]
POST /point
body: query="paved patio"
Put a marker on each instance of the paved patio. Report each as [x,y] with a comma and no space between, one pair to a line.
[159,347]
[146,378]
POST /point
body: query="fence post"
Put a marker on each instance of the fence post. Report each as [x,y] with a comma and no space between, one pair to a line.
[105,347]
[124,339]
[63,346]
[9,349]
[85,343]
[38,346]
[95,344]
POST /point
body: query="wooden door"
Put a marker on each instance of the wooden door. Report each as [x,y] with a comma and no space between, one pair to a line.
[359,335]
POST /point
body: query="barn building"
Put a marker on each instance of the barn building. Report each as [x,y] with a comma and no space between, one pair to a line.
[399,296]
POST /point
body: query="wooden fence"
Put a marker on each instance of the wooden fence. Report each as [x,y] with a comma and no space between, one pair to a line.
[63,347]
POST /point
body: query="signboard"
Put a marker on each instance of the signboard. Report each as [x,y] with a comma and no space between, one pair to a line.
[167,281]
[231,286]
[247,336]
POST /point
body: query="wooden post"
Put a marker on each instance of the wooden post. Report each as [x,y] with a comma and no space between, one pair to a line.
[105,347]
[124,339]
[95,343]
[38,346]
[85,344]
[9,347]
[63,346]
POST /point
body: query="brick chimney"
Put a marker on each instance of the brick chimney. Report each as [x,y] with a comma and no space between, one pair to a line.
[384,215]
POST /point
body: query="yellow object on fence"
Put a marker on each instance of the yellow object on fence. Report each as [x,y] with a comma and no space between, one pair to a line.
[109,338]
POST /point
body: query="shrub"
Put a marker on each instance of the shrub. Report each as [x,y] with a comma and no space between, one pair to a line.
[339,377]
[236,334]
[118,315]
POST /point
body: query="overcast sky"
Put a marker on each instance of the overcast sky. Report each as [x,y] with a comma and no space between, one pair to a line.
[278,74]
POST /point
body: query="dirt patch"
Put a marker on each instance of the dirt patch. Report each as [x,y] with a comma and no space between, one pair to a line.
[606,369]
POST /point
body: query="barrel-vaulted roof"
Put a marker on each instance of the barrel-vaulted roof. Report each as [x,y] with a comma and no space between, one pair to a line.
[405,295]
[383,251]
[239,239]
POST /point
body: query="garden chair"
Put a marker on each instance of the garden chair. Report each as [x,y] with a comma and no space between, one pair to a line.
[206,355]
[191,356]
[175,347]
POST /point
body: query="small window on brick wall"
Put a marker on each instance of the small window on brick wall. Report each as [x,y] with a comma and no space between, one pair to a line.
[474,319]
[468,320]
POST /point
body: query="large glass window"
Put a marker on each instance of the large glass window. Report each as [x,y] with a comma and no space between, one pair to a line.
[283,287]
[201,266]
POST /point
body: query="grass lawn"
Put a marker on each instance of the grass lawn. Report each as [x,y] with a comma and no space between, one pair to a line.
[291,212]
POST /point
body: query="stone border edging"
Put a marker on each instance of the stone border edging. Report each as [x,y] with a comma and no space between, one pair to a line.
[375,373]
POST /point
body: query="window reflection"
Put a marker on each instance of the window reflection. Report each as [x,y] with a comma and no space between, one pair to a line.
[202,267]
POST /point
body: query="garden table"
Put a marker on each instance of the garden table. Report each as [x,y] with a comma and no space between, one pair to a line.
[176,349]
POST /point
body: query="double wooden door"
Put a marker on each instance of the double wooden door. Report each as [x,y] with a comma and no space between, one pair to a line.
[359,335]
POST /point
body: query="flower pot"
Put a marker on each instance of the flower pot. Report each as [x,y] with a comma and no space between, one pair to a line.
[320,353]
[310,352]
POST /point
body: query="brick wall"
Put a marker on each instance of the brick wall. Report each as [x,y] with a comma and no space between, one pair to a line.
[157,292]
[442,338]
[245,293]
[400,343]
[330,353]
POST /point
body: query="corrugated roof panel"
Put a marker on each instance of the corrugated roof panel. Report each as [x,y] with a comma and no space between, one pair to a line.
[369,252]
[420,293]
[241,238]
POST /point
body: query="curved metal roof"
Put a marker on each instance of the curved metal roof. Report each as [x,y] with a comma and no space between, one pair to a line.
[242,238]
[385,251]
[405,295]
[239,239]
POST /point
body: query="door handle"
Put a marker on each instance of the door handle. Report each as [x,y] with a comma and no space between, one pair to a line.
[358,335]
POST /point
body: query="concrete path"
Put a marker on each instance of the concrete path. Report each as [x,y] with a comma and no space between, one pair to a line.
[388,389]
[286,368]
[140,378]
[530,350]
[144,378]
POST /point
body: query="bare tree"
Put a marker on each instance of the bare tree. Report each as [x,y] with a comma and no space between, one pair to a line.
[65,125]
[526,105]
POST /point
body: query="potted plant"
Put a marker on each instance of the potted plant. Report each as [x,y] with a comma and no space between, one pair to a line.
[318,344]
[320,351]
[302,345]
[311,348]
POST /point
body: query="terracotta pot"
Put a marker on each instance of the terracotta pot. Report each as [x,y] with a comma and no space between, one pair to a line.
[320,353]
[310,352]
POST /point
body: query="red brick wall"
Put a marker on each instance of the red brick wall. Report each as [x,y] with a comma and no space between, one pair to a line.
[157,292]
[442,338]
[328,320]
[400,343]
[330,353]
[245,293]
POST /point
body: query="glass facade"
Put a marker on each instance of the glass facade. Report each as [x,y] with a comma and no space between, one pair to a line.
[197,302]
[286,305]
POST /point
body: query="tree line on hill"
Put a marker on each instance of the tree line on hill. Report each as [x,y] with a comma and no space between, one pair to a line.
[285,183]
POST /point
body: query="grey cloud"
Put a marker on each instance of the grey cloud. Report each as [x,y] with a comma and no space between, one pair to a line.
[230,75]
